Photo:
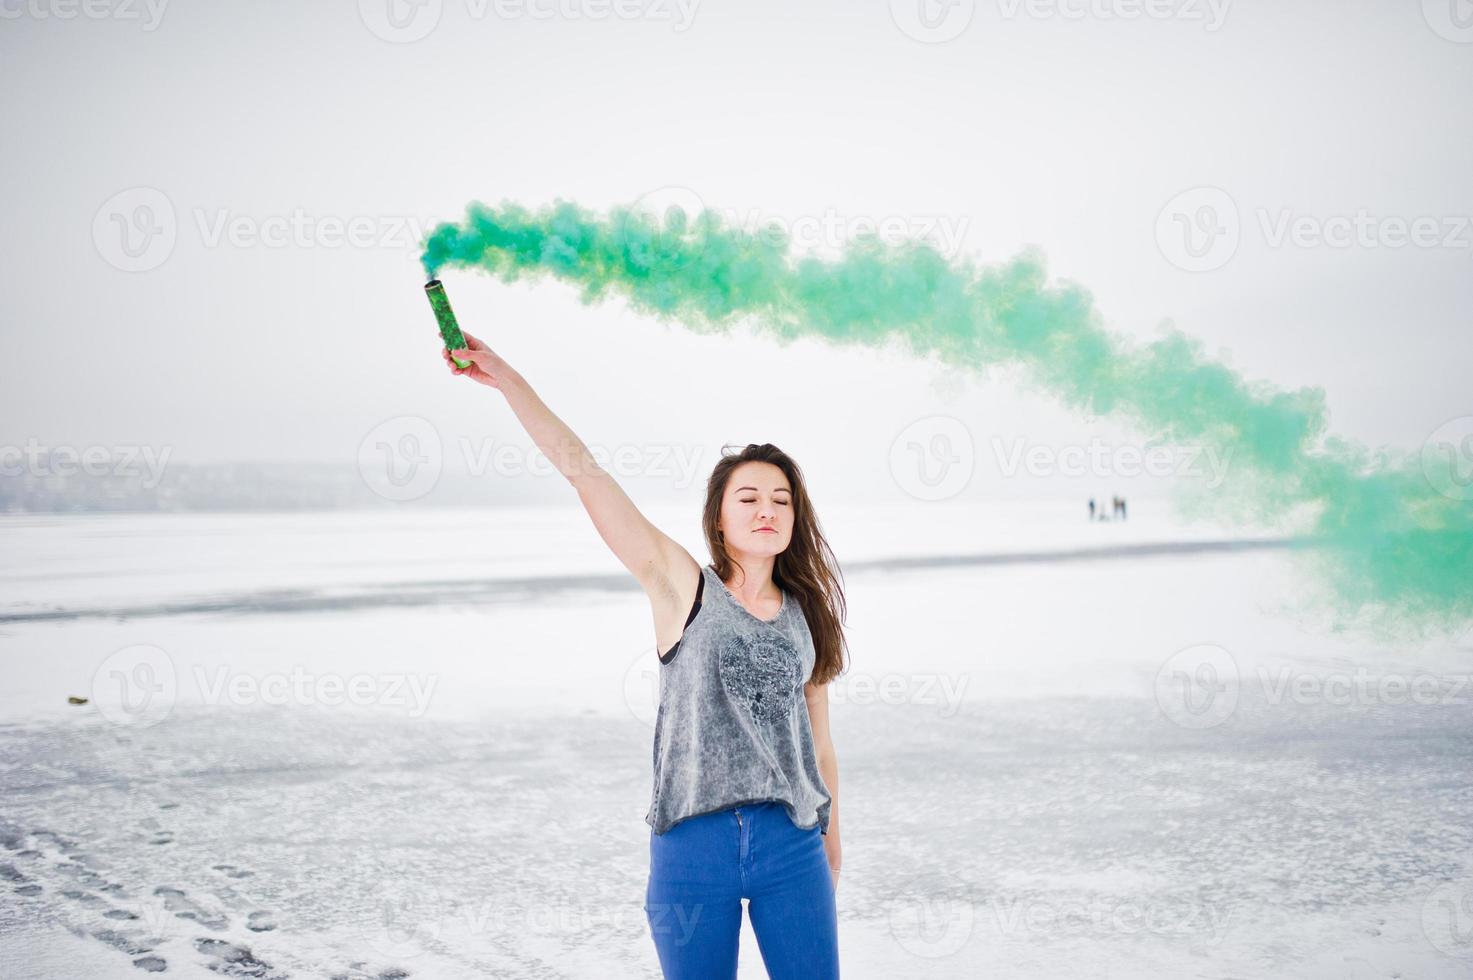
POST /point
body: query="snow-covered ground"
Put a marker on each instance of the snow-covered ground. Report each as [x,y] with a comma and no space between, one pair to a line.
[1128,766]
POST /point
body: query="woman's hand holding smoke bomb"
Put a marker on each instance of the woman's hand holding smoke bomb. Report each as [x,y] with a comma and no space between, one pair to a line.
[487,367]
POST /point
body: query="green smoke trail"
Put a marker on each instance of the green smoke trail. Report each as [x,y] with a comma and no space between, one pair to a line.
[1389,553]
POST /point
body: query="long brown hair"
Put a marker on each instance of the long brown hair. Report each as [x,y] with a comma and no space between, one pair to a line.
[806,569]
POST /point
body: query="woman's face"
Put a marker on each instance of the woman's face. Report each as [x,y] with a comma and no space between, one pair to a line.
[757,497]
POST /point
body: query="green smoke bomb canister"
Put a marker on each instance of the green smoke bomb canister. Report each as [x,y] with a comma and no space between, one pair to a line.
[445,316]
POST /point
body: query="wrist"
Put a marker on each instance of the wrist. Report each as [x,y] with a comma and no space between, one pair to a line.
[510,381]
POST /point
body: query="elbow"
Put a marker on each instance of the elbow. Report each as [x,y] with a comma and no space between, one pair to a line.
[582,476]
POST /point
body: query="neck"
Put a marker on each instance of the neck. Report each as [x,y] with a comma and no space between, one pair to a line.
[753,579]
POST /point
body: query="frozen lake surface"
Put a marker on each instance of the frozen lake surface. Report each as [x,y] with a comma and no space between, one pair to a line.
[1129,766]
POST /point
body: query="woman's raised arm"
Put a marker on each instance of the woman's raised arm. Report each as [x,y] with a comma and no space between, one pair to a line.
[644,549]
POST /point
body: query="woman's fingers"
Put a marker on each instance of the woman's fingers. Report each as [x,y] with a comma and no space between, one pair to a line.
[478,358]
[475,370]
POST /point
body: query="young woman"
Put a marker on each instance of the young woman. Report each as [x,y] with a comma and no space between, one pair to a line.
[745,800]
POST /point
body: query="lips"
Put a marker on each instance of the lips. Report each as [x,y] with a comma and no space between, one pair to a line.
[767,530]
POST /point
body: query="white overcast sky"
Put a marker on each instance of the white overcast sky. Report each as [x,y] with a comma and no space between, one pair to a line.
[1066,125]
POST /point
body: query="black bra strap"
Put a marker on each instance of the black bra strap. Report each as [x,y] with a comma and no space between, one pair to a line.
[695,606]
[669,655]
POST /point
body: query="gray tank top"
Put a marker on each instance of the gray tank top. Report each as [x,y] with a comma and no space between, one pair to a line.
[732,726]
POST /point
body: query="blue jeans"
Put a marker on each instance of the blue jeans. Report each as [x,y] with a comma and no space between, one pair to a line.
[701,869]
